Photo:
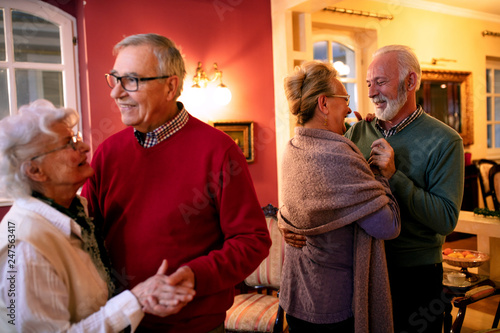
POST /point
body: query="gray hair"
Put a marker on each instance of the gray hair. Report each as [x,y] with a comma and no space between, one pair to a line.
[407,61]
[20,140]
[170,61]
[303,87]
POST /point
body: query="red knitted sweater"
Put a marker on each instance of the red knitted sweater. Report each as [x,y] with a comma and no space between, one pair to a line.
[189,199]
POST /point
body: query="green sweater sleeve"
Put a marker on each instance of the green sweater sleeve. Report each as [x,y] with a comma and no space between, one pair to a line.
[436,205]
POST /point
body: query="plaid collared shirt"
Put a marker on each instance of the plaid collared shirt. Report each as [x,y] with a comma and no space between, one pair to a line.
[163,132]
[399,127]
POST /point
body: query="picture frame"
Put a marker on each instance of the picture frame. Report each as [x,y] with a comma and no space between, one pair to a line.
[242,134]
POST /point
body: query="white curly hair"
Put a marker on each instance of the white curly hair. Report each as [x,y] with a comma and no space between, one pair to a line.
[20,140]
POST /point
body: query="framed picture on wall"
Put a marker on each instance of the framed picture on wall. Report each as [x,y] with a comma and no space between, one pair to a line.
[242,134]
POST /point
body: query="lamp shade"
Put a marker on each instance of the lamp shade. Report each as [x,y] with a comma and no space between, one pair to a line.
[222,95]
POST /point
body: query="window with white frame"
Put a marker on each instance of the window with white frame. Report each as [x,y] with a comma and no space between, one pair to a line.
[343,59]
[37,55]
[493,107]
[37,58]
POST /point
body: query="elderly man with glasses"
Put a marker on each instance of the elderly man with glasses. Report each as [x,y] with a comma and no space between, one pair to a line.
[171,186]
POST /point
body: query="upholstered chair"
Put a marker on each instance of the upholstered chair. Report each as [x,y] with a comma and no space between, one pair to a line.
[257,308]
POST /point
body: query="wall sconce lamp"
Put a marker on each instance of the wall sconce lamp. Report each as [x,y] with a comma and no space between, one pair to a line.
[221,95]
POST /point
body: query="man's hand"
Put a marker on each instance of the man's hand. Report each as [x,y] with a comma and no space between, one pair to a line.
[183,276]
[160,295]
[382,157]
[292,239]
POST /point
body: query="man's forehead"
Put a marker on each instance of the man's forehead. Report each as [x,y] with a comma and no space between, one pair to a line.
[134,59]
[382,67]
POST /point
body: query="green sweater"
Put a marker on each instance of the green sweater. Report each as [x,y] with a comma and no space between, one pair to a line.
[428,185]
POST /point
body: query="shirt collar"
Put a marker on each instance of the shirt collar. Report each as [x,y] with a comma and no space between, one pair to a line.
[61,221]
[150,139]
[399,127]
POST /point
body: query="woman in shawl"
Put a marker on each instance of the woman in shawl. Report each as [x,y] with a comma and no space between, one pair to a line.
[338,280]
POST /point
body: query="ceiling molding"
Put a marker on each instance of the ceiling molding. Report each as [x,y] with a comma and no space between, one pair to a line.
[445,9]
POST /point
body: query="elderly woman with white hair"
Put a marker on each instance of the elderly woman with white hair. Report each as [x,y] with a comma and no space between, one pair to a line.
[54,273]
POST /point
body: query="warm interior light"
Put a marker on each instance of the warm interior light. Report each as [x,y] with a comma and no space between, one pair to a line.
[196,96]
[220,96]
[342,68]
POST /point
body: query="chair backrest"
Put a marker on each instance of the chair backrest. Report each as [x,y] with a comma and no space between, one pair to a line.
[494,180]
[268,274]
[484,167]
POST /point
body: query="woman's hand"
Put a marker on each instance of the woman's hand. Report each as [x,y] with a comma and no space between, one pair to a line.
[163,295]
[369,117]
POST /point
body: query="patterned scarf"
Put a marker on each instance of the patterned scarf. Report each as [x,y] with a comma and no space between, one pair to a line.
[93,244]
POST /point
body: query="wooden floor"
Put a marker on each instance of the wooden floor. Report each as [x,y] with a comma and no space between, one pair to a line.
[479,316]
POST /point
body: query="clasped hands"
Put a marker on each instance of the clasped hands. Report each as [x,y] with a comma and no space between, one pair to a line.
[163,295]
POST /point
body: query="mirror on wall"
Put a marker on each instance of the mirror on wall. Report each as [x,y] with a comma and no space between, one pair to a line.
[447,96]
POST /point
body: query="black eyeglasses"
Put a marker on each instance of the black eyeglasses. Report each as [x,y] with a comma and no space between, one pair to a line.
[129,83]
[72,143]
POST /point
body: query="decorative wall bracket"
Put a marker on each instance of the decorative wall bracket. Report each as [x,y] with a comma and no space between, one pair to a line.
[358,13]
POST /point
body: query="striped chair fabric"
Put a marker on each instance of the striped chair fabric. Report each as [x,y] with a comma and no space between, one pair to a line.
[472,296]
[255,312]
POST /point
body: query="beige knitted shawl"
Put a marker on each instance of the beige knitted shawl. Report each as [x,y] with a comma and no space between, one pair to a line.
[327,184]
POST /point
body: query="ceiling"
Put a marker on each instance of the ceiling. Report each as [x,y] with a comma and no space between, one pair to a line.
[485,6]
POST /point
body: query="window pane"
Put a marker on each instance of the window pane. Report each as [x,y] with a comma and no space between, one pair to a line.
[3,57]
[35,39]
[320,50]
[488,108]
[4,96]
[497,108]
[488,136]
[497,136]
[351,90]
[496,82]
[33,84]
[344,60]
[488,80]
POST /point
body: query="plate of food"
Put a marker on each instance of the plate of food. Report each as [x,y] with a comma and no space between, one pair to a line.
[464,258]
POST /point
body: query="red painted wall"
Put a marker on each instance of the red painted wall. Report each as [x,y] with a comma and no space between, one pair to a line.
[234,33]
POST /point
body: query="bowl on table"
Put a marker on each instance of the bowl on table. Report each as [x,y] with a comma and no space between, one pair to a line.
[464,259]
[456,278]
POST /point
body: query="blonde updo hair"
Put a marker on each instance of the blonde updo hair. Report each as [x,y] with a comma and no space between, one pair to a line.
[303,87]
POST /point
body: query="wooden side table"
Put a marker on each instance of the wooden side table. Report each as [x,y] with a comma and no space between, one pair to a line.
[451,293]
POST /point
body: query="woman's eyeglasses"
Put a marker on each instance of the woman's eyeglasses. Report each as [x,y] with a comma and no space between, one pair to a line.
[346,97]
[72,143]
